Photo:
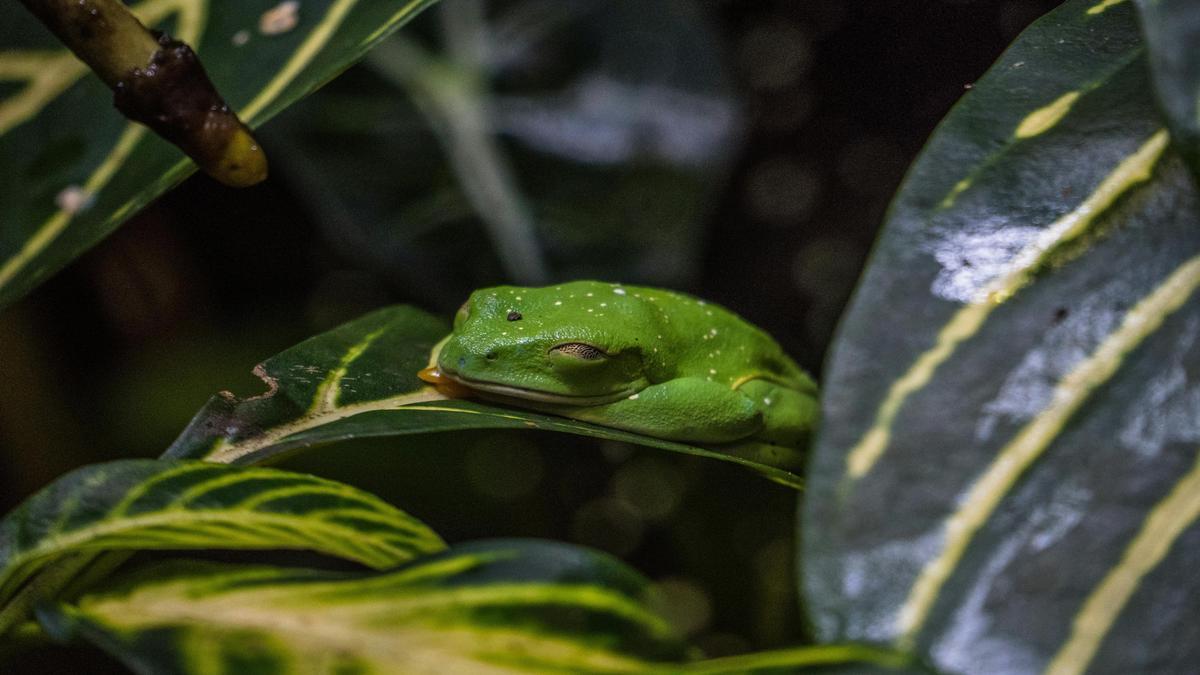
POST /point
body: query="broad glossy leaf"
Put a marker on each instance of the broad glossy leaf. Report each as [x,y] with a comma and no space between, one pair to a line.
[360,380]
[58,130]
[488,607]
[134,505]
[1006,479]
[1172,30]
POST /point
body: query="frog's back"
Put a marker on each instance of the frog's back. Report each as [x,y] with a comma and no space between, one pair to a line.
[712,342]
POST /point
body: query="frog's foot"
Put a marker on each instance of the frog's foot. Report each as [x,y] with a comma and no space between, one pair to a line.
[789,416]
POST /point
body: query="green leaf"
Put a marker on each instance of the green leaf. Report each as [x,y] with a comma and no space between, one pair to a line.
[1006,478]
[135,505]
[828,659]
[1172,29]
[360,380]
[58,131]
[493,606]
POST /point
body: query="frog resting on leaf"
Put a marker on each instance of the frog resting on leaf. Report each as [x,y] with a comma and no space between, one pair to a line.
[645,360]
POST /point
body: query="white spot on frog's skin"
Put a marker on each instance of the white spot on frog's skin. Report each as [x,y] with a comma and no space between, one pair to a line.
[710,378]
[659,337]
[558,302]
[619,291]
[519,297]
[240,38]
[712,331]
[718,352]
[604,304]
[589,294]
[766,401]
[712,371]
[633,397]
[708,312]
[591,310]
[701,302]
[504,332]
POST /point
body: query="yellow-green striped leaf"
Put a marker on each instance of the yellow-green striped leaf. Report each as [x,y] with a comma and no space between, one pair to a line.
[134,505]
[74,169]
[360,380]
[850,659]
[1006,478]
[1172,30]
[491,607]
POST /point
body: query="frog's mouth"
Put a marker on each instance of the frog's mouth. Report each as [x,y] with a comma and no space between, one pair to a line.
[439,377]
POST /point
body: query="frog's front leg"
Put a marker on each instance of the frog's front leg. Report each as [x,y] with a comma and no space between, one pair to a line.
[684,409]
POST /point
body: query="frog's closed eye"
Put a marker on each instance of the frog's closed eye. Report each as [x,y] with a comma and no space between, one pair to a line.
[579,350]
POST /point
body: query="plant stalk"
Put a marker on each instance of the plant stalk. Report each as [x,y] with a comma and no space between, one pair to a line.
[159,82]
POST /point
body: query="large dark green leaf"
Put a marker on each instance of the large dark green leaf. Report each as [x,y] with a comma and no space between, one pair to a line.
[360,379]
[147,504]
[1172,29]
[1006,479]
[58,130]
[490,607]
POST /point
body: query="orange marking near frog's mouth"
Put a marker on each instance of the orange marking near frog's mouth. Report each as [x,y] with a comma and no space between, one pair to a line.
[446,385]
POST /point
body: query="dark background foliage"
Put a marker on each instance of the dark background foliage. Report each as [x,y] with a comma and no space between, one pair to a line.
[111,358]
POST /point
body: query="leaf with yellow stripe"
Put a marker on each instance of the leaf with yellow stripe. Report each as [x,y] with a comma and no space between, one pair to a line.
[360,380]
[500,606]
[74,169]
[1172,31]
[1005,476]
[135,505]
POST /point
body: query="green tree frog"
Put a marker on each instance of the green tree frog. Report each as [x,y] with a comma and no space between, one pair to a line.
[646,360]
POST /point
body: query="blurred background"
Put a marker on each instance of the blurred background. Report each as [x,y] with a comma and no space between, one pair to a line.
[742,151]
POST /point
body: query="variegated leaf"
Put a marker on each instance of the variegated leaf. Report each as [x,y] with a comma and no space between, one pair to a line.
[360,380]
[1172,30]
[134,505]
[74,169]
[824,659]
[1006,480]
[494,607]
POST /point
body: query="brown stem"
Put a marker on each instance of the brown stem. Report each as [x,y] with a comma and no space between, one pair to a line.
[159,82]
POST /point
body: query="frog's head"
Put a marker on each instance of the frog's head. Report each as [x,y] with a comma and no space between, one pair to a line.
[576,344]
